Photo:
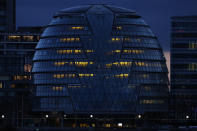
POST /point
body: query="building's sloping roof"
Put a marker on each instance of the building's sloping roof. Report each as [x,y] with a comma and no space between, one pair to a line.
[95,9]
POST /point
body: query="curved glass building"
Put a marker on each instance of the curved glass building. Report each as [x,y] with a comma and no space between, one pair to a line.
[100,59]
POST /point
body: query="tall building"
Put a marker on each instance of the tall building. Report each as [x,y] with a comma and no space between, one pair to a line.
[7,15]
[16,54]
[184,65]
[99,61]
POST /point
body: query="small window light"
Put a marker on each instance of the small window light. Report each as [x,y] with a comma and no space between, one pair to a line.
[47,116]
[139,116]
[91,116]
[119,124]
[187,117]
[2,116]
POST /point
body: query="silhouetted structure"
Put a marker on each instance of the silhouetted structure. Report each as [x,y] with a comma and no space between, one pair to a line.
[16,54]
[184,66]
[7,15]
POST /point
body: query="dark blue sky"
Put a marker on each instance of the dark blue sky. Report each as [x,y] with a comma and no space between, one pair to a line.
[156,13]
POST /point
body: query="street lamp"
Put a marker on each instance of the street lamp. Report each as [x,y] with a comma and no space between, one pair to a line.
[120,124]
[139,116]
[187,117]
[91,116]
[2,116]
[47,116]
[64,115]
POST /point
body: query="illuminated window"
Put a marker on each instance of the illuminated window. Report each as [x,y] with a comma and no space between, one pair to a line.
[145,76]
[82,125]
[151,101]
[12,85]
[59,76]
[69,51]
[122,76]
[127,39]
[118,39]
[109,65]
[77,28]
[193,67]
[116,51]
[1,85]
[14,38]
[89,51]
[58,88]
[107,125]
[70,39]
[73,51]
[113,52]
[83,64]
[133,51]
[193,45]
[86,75]
[28,38]
[127,64]
[141,64]
[22,77]
[77,63]
[27,68]
[138,63]
[119,27]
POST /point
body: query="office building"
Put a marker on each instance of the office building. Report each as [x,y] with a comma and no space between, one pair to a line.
[184,66]
[16,54]
[7,15]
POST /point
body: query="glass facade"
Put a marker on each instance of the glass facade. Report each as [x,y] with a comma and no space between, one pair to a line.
[100,59]
[184,65]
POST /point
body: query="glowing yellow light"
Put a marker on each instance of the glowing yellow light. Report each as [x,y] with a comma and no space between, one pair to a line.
[122,75]
[57,88]
[119,64]
[77,63]
[22,77]
[86,75]
[69,51]
[14,37]
[28,38]
[77,39]
[58,76]
[77,28]
[70,39]
[1,85]
[89,51]
[116,51]
[119,27]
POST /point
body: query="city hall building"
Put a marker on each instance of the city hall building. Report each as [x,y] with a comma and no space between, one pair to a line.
[99,61]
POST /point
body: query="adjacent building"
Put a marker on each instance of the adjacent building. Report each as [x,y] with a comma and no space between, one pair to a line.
[7,15]
[16,54]
[184,66]
[99,61]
